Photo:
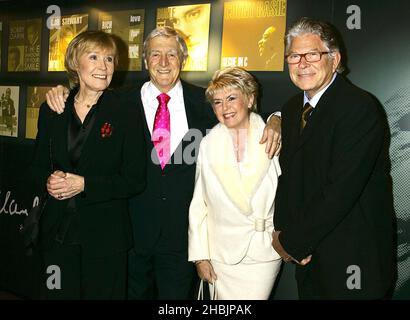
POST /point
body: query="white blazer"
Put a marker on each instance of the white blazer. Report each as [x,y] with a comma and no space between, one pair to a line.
[231,213]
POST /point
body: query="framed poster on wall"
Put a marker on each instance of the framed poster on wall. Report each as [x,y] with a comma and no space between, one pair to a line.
[129,27]
[65,29]
[192,22]
[261,47]
[24,47]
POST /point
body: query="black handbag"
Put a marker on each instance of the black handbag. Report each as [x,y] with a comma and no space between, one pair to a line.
[30,227]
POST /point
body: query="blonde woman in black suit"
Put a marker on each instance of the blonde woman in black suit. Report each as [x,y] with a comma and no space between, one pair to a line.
[98,160]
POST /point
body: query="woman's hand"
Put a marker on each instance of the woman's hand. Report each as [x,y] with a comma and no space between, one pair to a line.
[64,185]
[206,271]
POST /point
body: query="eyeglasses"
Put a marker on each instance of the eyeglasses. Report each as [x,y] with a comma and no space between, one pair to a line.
[315,56]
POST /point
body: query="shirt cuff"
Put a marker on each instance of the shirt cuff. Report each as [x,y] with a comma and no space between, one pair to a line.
[276,113]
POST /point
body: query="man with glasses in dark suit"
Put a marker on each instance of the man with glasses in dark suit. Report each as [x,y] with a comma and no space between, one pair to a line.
[334,210]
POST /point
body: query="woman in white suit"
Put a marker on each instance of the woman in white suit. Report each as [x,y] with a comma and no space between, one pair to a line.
[231,213]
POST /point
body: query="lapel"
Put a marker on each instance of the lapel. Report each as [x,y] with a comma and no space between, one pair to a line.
[321,109]
[194,120]
[193,115]
[295,112]
[147,134]
[102,114]
[90,144]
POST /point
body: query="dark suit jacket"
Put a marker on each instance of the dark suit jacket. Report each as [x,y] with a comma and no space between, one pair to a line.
[113,168]
[334,198]
[160,213]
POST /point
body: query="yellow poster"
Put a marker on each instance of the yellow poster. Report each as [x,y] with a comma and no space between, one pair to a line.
[261,47]
[129,27]
[9,110]
[65,28]
[192,22]
[35,97]
[24,45]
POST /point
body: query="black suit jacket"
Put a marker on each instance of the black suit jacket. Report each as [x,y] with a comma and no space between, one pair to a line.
[160,213]
[113,168]
[334,198]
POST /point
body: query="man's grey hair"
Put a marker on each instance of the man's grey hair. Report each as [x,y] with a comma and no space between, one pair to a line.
[323,29]
[167,32]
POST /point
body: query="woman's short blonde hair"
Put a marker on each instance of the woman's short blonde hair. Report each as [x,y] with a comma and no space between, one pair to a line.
[87,41]
[237,78]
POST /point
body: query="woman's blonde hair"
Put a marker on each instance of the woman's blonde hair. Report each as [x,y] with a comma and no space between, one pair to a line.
[237,78]
[87,42]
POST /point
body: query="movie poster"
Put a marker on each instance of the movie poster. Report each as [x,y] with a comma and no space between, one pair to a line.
[192,22]
[261,47]
[24,45]
[69,27]
[129,27]
[35,97]
[9,102]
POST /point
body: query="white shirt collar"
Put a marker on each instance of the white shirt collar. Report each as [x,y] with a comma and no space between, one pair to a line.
[176,93]
[315,99]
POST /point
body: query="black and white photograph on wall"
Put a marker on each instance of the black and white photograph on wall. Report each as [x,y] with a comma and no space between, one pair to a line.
[9,101]
[398,114]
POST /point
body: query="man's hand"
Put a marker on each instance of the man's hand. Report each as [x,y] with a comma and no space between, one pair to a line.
[56,98]
[62,186]
[206,271]
[282,252]
[272,136]
[306,260]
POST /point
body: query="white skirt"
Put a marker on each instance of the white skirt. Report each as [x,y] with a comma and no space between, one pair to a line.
[247,280]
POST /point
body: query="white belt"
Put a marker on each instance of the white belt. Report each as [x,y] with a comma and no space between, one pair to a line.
[260,225]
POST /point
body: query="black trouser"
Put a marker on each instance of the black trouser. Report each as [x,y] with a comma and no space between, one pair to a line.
[83,277]
[160,275]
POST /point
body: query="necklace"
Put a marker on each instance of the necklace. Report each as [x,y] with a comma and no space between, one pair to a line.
[82,103]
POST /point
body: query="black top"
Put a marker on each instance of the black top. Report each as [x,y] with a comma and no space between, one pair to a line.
[112,163]
[78,132]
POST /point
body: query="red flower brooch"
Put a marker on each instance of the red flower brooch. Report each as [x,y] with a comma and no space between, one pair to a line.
[106,130]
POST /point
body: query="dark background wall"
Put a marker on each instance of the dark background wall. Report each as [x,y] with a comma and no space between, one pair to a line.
[377,59]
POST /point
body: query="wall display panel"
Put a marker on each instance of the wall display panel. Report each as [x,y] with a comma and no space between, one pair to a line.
[192,22]
[24,47]
[261,47]
[35,97]
[9,102]
[68,28]
[129,27]
[1,37]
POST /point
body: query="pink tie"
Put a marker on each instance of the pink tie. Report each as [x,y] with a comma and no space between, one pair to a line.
[161,134]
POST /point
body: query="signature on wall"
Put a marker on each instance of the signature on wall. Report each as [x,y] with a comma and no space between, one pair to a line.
[11,207]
